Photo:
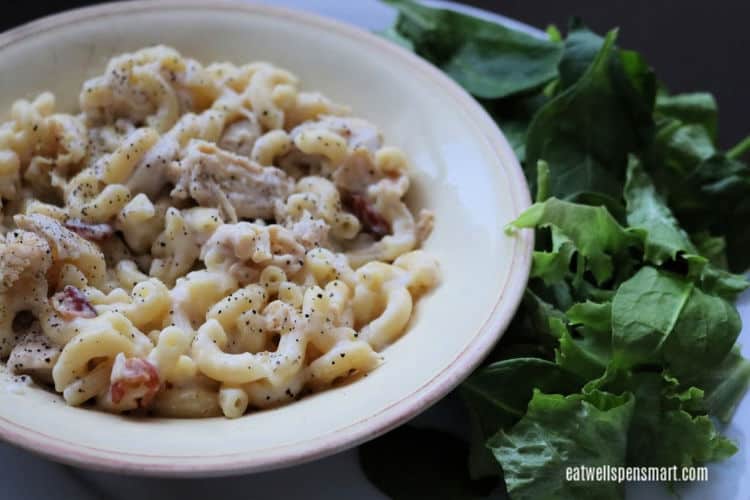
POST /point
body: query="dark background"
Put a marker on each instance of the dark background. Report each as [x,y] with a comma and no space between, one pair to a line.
[693,44]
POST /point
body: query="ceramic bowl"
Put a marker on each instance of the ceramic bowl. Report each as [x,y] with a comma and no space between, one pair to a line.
[463,169]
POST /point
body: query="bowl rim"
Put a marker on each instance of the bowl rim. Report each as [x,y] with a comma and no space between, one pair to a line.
[366,428]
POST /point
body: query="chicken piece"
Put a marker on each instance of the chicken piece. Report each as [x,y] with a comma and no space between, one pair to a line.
[23,255]
[34,354]
[25,259]
[217,178]
[66,246]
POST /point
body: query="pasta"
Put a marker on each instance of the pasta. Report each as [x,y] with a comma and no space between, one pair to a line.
[201,241]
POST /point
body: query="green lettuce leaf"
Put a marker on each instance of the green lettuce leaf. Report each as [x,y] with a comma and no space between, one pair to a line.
[478,54]
[623,348]
[497,396]
[581,48]
[650,217]
[697,108]
[593,231]
[563,431]
[572,131]
[659,317]
[665,429]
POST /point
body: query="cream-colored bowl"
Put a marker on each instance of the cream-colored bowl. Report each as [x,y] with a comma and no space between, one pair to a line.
[464,171]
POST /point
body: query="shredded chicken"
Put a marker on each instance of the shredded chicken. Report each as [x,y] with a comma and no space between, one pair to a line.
[25,259]
[23,256]
[34,354]
[214,177]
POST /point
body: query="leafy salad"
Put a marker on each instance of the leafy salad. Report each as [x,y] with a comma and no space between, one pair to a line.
[623,349]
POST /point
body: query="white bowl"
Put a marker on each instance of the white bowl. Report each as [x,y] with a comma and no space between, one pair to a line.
[464,170]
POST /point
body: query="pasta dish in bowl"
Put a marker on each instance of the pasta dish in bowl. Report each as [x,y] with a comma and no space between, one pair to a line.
[200,240]
[311,244]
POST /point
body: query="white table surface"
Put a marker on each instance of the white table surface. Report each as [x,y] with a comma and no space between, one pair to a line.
[25,476]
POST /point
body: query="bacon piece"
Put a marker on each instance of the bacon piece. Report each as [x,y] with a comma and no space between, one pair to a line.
[370,218]
[135,378]
[93,232]
[71,303]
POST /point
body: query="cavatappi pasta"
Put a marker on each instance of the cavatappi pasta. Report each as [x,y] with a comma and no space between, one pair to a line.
[201,240]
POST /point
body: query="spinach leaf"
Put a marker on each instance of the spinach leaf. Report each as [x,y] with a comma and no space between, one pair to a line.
[663,238]
[678,148]
[587,355]
[572,132]
[722,283]
[740,149]
[581,47]
[487,59]
[706,189]
[711,247]
[531,331]
[703,335]
[645,310]
[698,108]
[712,198]
[588,351]
[659,317]
[513,115]
[393,35]
[562,431]
[497,396]
[650,217]
[621,350]
[724,385]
